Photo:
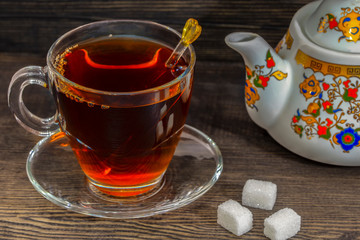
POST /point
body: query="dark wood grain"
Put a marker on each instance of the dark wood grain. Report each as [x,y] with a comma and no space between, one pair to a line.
[32,26]
[326,197]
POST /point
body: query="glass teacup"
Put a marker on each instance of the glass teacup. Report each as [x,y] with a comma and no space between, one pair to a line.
[124,140]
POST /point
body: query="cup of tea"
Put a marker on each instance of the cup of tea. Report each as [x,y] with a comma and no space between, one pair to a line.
[120,107]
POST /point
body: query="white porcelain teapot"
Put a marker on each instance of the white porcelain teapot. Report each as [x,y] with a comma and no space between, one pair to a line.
[305,92]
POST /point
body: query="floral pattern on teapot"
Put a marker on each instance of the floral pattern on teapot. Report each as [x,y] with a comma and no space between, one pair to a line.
[332,96]
[348,24]
[259,79]
[287,40]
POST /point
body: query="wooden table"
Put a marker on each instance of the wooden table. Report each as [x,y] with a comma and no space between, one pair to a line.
[327,197]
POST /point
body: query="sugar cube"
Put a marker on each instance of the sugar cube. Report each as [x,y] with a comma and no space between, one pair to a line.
[282,225]
[259,194]
[234,217]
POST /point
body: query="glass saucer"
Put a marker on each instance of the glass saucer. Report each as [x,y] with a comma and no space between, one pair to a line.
[54,172]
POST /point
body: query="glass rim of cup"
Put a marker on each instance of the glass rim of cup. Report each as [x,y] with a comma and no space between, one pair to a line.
[188,70]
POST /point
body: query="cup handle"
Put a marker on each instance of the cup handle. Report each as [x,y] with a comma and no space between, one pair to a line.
[24,77]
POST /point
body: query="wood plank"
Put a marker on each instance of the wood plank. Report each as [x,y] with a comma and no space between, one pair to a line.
[325,196]
[32,26]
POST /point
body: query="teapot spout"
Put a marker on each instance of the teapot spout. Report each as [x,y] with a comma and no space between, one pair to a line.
[266,84]
[251,47]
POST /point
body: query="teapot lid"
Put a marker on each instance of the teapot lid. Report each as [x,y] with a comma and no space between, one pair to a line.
[335,24]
